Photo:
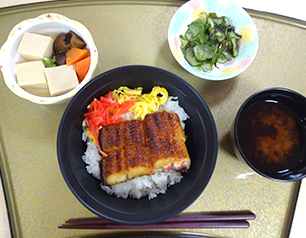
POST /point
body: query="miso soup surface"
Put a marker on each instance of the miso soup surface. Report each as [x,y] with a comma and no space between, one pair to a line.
[270,136]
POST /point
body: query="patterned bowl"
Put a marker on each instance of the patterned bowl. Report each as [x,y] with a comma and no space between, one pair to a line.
[47,24]
[238,17]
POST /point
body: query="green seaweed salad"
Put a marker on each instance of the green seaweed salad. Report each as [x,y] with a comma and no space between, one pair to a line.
[209,40]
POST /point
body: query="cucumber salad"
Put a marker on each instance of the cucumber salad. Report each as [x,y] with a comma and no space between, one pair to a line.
[208,41]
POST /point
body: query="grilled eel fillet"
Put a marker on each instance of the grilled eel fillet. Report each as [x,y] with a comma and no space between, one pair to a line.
[136,148]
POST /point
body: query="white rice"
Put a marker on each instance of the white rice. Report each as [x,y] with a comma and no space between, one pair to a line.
[150,185]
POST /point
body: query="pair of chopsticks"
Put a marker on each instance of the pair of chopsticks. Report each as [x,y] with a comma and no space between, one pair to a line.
[184,221]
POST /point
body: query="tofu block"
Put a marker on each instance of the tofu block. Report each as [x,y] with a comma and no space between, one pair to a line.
[61,79]
[31,77]
[35,47]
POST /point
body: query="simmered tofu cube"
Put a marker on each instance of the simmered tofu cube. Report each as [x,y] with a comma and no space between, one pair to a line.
[61,79]
[31,77]
[35,47]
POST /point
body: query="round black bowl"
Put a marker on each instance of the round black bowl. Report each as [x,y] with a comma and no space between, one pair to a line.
[202,145]
[290,106]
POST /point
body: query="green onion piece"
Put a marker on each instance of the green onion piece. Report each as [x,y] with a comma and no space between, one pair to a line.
[49,62]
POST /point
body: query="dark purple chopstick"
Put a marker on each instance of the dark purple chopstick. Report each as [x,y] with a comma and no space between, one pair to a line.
[180,218]
[208,220]
[179,225]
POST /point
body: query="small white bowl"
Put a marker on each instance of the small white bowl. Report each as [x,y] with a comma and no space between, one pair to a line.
[238,17]
[49,24]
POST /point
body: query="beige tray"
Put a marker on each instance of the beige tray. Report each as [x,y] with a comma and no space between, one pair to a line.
[129,33]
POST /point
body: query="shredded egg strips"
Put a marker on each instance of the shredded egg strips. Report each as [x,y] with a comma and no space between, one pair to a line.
[144,103]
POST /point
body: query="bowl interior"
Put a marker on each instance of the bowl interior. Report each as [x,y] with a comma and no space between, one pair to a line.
[201,144]
[297,104]
[45,28]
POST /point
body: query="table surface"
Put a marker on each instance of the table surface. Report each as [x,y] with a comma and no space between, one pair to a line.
[272,6]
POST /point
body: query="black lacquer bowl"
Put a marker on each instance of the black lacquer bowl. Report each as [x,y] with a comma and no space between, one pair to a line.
[269,134]
[202,145]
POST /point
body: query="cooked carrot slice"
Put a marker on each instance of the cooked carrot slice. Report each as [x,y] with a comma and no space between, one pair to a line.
[74,55]
[81,68]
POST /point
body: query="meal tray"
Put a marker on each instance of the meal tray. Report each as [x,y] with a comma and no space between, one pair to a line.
[135,33]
